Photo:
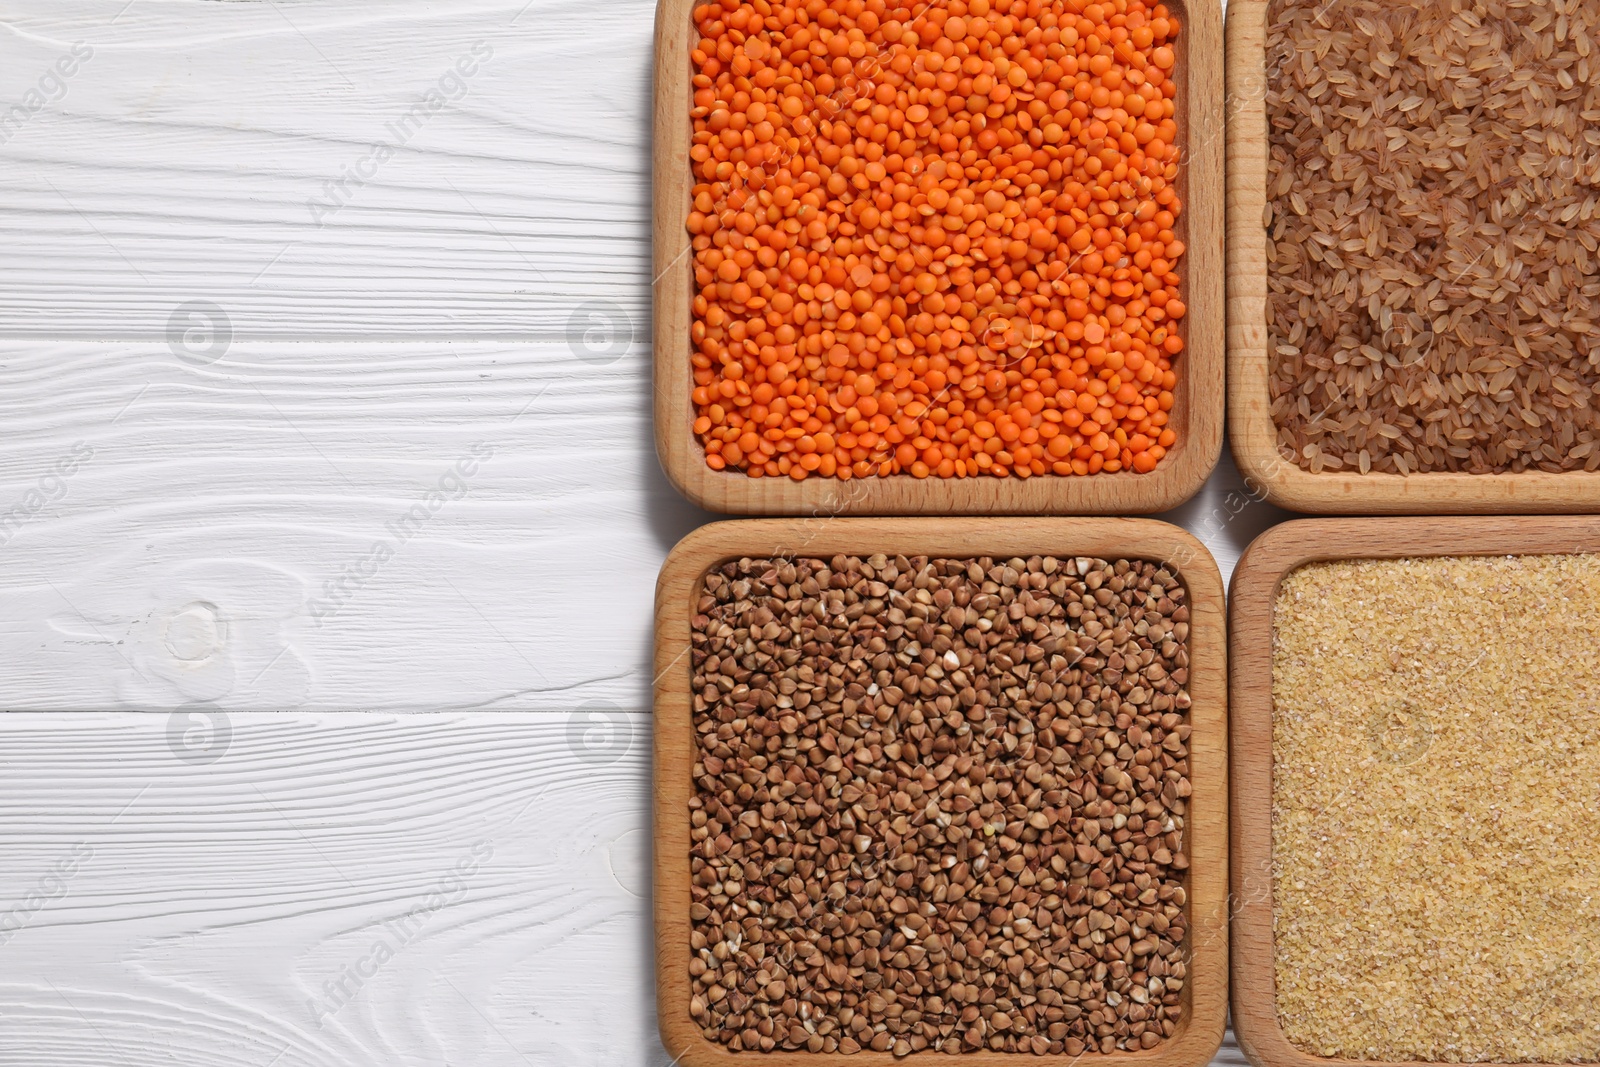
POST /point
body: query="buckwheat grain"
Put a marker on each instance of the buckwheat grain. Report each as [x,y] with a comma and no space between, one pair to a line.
[939,804]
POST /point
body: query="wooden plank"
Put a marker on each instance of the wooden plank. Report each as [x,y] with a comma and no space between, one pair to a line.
[327,527]
[1197,415]
[1253,435]
[331,889]
[317,170]
[1201,1032]
[1254,593]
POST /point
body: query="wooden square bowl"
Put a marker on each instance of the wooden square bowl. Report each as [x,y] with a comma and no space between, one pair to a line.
[1197,414]
[1205,991]
[1253,434]
[1272,557]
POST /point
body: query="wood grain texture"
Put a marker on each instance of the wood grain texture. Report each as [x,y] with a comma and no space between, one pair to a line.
[206,914]
[295,525]
[1252,433]
[1198,412]
[486,286]
[1254,592]
[266,156]
[1200,1033]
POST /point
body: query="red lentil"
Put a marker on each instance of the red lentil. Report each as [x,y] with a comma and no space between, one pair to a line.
[935,240]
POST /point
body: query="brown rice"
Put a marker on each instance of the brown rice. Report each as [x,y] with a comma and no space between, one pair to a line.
[1433,225]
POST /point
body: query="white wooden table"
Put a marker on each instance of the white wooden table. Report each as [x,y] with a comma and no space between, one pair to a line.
[329,523]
